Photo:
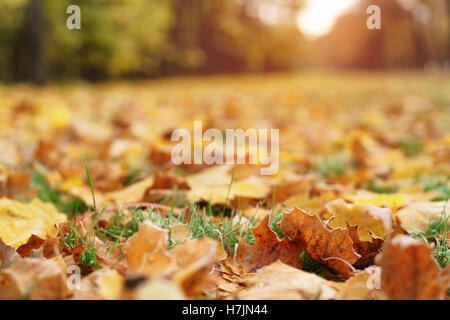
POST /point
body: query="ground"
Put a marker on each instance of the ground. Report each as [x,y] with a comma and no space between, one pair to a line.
[88,181]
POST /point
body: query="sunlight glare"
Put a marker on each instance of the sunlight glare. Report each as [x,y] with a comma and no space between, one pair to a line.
[319,16]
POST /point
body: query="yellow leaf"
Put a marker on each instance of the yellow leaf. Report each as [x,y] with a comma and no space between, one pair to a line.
[418,215]
[367,217]
[18,221]
[159,289]
[131,194]
[179,232]
[393,201]
[213,185]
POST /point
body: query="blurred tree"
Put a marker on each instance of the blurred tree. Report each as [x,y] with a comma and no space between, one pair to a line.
[11,19]
[236,35]
[413,32]
[117,38]
[147,38]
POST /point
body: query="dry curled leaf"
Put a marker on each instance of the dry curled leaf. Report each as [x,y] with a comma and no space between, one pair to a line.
[366,249]
[34,242]
[188,264]
[32,278]
[266,250]
[332,247]
[409,271]
[368,218]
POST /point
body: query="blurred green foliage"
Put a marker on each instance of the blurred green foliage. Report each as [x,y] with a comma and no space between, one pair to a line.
[149,38]
[117,37]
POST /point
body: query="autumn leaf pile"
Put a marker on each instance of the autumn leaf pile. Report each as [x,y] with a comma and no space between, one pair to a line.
[356,211]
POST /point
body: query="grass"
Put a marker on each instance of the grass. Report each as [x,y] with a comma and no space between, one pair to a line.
[73,238]
[331,168]
[202,224]
[442,188]
[120,227]
[411,147]
[436,234]
[313,266]
[63,202]
[133,175]
[381,189]
[274,220]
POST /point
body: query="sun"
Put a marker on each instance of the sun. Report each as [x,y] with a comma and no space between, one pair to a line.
[319,16]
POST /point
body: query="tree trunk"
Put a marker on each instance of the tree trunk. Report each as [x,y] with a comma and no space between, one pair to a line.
[30,48]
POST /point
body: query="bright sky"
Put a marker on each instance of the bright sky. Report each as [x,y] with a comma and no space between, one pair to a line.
[319,16]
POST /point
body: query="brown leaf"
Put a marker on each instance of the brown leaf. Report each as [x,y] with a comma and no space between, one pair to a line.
[266,250]
[33,279]
[279,281]
[148,240]
[188,264]
[363,286]
[409,271]
[103,284]
[8,255]
[195,259]
[331,247]
[366,249]
[34,242]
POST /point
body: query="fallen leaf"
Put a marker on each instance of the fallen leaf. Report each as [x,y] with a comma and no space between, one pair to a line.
[368,218]
[8,255]
[362,286]
[366,249]
[18,221]
[195,259]
[332,247]
[188,264]
[103,284]
[179,232]
[147,241]
[159,289]
[34,242]
[213,185]
[34,279]
[409,271]
[279,281]
[131,194]
[418,215]
[266,250]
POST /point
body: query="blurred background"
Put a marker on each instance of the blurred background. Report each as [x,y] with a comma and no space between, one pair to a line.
[129,39]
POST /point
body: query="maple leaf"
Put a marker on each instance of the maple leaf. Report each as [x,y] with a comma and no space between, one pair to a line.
[332,247]
[266,250]
[366,249]
[368,218]
[188,264]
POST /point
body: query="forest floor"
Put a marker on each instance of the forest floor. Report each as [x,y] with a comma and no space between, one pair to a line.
[92,206]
